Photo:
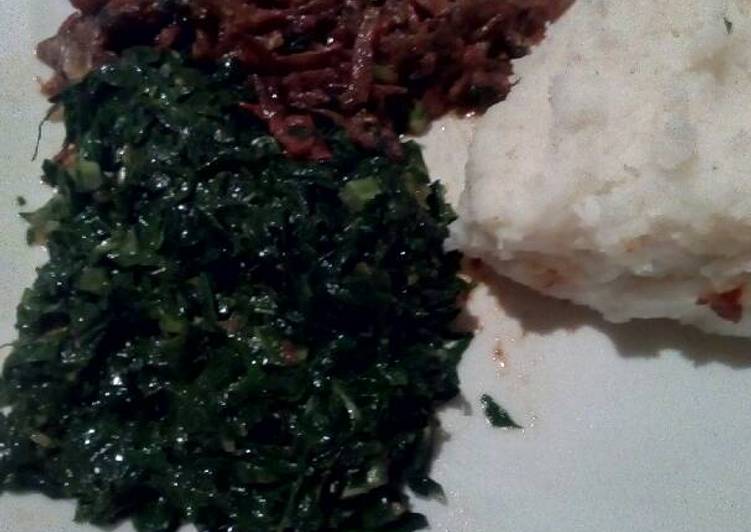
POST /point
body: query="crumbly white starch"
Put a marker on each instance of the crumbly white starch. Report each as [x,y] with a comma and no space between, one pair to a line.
[618,172]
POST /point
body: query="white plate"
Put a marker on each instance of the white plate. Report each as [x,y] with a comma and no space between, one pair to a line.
[644,427]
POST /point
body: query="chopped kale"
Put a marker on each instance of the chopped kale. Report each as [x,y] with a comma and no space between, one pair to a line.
[496,414]
[419,120]
[223,336]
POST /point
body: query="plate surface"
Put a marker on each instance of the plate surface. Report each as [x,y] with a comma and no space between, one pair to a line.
[642,427]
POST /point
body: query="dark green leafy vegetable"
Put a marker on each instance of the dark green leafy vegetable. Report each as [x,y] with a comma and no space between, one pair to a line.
[728,25]
[224,336]
[496,414]
[419,121]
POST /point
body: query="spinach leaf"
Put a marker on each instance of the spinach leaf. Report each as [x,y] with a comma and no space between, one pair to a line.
[496,414]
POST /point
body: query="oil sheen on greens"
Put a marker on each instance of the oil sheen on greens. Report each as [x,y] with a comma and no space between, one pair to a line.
[223,336]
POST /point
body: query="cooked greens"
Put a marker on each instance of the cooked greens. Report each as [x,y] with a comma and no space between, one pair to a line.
[496,414]
[224,336]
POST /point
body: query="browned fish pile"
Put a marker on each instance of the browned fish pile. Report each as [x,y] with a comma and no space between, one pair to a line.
[378,68]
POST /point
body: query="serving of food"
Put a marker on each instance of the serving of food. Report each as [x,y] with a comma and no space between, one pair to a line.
[627,191]
[276,238]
